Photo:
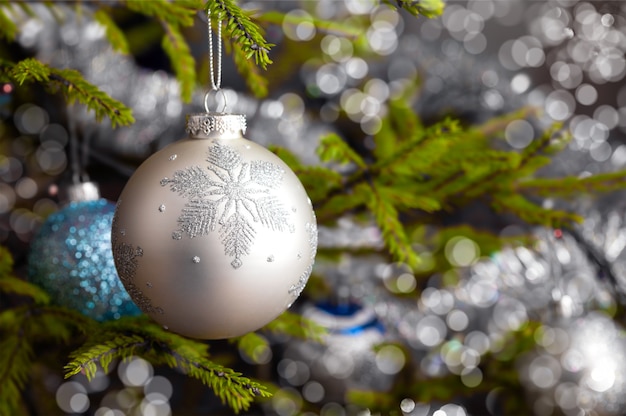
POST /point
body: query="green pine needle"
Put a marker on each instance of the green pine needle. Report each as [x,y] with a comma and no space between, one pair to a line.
[333,148]
[75,88]
[8,29]
[114,34]
[140,337]
[325,26]
[15,286]
[426,8]
[393,232]
[15,363]
[242,30]
[182,61]
[73,85]
[297,326]
[252,344]
[175,13]
[256,82]
[6,262]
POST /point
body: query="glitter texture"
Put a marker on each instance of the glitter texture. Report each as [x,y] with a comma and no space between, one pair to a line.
[70,257]
[233,195]
[205,124]
[296,289]
[126,260]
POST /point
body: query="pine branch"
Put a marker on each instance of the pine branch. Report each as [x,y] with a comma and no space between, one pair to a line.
[400,125]
[12,285]
[441,137]
[15,286]
[317,180]
[73,85]
[256,82]
[426,8]
[114,34]
[6,262]
[141,337]
[392,230]
[15,363]
[404,198]
[572,186]
[8,29]
[325,26]
[333,148]
[175,13]
[102,352]
[251,344]
[182,61]
[337,203]
[21,327]
[75,88]
[532,213]
[292,324]
[242,30]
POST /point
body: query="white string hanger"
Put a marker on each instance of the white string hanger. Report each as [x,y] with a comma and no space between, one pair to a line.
[215,75]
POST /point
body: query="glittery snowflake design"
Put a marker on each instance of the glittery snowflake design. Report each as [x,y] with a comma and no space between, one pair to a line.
[230,195]
[297,288]
[126,258]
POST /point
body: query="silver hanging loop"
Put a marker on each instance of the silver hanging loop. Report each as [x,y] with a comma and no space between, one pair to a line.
[219,98]
[216,76]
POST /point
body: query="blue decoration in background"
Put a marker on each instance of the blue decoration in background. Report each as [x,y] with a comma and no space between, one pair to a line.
[71,258]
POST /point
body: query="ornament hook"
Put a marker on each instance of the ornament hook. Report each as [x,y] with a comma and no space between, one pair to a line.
[216,78]
[222,99]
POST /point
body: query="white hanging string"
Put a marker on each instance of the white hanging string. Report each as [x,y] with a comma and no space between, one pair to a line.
[216,76]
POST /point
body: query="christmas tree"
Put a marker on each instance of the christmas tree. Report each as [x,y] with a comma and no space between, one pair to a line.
[470,226]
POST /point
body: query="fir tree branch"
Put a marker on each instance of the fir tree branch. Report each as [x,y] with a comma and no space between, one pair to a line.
[497,125]
[6,262]
[102,352]
[337,203]
[8,29]
[292,324]
[138,336]
[176,13]
[400,125]
[251,344]
[426,8]
[13,285]
[15,363]
[114,34]
[532,213]
[242,30]
[182,61]
[73,85]
[572,186]
[324,26]
[392,230]
[256,82]
[333,148]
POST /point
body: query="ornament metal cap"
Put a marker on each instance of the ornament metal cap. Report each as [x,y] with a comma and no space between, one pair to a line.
[82,191]
[214,125]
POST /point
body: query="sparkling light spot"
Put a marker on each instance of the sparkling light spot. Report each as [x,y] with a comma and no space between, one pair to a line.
[135,372]
[519,133]
[461,251]
[390,359]
[586,94]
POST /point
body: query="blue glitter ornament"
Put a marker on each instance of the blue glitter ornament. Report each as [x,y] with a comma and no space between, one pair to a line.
[71,259]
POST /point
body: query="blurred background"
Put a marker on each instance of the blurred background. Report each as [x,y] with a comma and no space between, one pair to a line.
[532,329]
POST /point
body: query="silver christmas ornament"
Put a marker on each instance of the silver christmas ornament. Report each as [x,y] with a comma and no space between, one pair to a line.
[214,236]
